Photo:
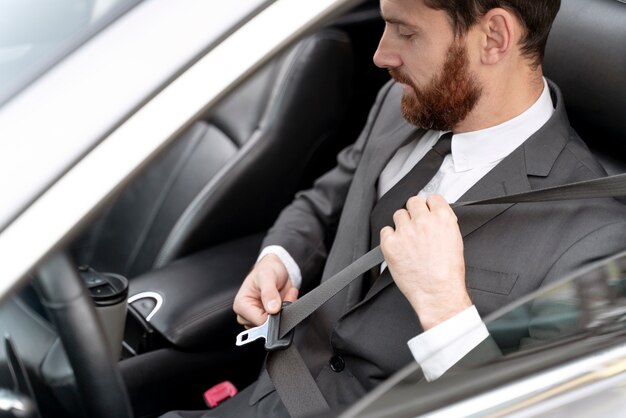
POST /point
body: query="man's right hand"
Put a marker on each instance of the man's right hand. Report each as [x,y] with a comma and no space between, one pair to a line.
[263,291]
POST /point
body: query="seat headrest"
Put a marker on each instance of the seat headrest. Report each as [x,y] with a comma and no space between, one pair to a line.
[586,57]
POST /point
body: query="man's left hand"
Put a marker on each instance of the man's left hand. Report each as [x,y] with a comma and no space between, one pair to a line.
[425,257]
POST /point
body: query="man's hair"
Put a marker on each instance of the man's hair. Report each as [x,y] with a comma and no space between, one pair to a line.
[536,16]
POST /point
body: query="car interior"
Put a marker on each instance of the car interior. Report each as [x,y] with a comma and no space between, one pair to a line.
[188,229]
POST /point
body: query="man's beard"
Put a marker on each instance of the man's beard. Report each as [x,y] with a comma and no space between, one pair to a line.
[447,99]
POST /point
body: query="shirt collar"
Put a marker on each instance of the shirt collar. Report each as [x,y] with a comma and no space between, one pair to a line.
[491,145]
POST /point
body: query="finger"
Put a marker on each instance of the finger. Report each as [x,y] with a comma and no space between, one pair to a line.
[270,297]
[291,295]
[401,217]
[385,238]
[386,232]
[437,203]
[250,314]
[243,321]
[416,206]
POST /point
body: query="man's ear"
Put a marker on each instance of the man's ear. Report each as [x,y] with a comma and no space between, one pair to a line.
[500,32]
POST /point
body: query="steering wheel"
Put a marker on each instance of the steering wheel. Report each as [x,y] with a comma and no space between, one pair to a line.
[98,379]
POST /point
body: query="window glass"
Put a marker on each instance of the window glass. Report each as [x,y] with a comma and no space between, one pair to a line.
[560,322]
[591,303]
[35,33]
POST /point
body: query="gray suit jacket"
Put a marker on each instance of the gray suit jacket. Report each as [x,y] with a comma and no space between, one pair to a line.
[510,250]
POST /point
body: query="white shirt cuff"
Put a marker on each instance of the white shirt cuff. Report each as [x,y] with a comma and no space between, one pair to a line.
[442,346]
[292,268]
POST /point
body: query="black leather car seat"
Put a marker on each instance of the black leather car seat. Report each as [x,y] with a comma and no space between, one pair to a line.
[586,57]
[230,173]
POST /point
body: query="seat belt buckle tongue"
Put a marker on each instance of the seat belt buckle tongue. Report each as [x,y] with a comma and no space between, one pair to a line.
[269,331]
[219,393]
[272,342]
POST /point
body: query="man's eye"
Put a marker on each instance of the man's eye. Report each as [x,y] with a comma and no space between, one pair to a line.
[405,33]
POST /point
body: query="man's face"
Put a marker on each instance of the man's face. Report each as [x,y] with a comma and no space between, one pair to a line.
[420,51]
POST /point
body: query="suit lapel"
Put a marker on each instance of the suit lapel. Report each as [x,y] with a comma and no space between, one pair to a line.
[355,236]
[506,178]
[535,157]
[383,150]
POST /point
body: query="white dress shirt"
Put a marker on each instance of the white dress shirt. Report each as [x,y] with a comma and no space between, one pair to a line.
[473,155]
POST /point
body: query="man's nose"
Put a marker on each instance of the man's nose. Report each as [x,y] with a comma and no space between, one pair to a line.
[385,55]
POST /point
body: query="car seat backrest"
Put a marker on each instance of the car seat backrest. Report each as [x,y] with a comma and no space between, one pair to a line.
[586,57]
[230,173]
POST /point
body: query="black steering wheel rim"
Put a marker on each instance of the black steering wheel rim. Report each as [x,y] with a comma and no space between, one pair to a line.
[69,305]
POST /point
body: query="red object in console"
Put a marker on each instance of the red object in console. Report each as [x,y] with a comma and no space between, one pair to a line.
[219,393]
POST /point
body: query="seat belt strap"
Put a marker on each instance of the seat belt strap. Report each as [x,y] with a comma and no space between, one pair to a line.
[288,372]
[294,383]
[308,303]
[295,313]
[611,186]
[287,368]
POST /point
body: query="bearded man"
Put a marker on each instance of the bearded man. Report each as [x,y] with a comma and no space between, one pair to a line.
[468,115]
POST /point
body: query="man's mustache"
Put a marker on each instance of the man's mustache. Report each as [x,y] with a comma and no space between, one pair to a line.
[401,78]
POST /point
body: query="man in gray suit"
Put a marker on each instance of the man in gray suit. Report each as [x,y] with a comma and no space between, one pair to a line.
[466,69]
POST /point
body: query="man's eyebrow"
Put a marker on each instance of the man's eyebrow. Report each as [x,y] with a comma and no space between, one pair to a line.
[397,21]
